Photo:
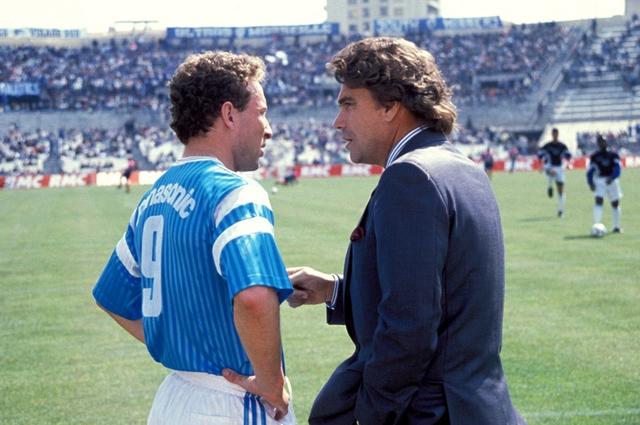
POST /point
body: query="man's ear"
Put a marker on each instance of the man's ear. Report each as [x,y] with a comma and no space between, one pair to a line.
[228,114]
[391,110]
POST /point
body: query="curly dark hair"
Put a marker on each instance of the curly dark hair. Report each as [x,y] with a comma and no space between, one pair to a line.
[396,70]
[203,82]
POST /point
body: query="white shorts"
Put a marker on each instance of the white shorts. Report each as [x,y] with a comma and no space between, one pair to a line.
[612,190]
[555,173]
[194,398]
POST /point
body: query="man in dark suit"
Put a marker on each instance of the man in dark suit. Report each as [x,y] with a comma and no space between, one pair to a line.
[423,286]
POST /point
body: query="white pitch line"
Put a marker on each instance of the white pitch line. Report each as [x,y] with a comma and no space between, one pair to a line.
[584,413]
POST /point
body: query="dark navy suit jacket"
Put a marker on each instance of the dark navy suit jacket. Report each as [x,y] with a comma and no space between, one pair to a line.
[422,299]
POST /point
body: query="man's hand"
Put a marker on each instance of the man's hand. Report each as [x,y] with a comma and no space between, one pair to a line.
[309,286]
[609,180]
[592,187]
[277,399]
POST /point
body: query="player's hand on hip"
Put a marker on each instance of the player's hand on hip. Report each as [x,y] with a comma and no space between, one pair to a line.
[276,399]
[609,180]
[309,286]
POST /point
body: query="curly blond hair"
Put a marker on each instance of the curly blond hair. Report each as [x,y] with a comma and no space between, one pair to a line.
[396,70]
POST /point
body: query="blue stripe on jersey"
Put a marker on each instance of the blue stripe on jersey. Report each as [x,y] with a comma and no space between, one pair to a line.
[251,193]
[247,397]
[244,264]
[263,413]
[243,212]
[250,226]
[193,329]
[118,291]
[254,413]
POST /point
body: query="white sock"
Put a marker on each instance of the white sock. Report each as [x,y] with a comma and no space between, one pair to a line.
[597,214]
[561,199]
[616,216]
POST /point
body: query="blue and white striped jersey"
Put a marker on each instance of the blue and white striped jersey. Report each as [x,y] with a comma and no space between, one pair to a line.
[200,235]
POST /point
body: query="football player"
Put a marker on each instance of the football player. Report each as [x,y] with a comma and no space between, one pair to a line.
[603,178]
[553,154]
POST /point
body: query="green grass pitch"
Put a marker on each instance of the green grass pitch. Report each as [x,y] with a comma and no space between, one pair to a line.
[571,346]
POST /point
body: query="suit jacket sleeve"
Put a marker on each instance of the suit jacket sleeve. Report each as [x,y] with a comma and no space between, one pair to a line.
[412,226]
[335,315]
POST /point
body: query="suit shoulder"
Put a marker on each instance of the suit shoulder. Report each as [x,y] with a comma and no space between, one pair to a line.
[441,160]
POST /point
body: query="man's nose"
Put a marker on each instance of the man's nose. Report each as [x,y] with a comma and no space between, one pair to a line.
[268,133]
[338,122]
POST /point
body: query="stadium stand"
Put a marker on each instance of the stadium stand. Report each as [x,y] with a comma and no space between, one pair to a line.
[24,152]
[511,84]
[305,142]
[625,142]
[132,74]
[602,81]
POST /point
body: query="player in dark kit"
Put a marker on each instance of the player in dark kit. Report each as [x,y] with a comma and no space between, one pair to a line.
[487,160]
[602,176]
[553,155]
[126,174]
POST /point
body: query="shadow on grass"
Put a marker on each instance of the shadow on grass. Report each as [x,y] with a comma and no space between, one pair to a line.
[576,237]
[536,219]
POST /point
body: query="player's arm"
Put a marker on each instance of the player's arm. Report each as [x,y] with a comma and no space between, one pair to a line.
[566,155]
[134,327]
[256,313]
[245,254]
[118,290]
[617,169]
[590,172]
[542,157]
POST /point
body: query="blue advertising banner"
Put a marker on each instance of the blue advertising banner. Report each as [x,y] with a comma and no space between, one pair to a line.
[19,89]
[404,26]
[327,28]
[40,33]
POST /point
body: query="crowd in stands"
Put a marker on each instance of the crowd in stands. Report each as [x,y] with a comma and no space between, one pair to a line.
[24,151]
[496,65]
[489,66]
[111,75]
[133,74]
[623,141]
[82,151]
[304,143]
[307,142]
[594,59]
